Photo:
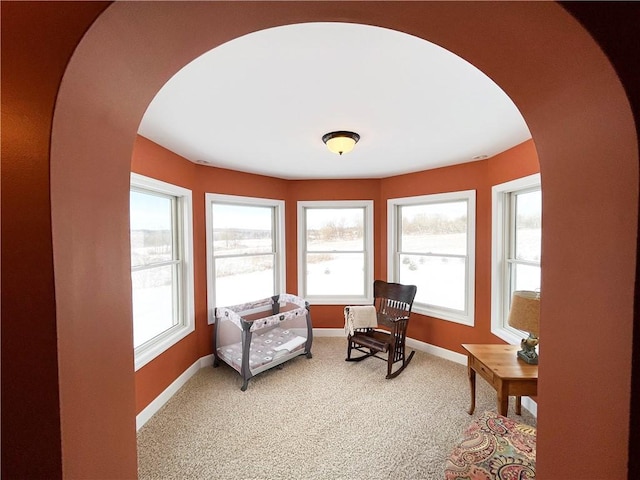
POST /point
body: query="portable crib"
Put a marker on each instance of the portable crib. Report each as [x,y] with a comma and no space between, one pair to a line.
[254,337]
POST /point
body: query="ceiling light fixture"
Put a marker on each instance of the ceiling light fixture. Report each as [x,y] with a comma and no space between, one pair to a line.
[340,142]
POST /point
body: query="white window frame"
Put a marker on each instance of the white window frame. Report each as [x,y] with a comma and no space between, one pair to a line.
[185,311]
[279,243]
[365,299]
[500,244]
[466,317]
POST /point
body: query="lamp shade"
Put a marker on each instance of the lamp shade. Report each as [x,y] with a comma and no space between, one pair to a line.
[340,142]
[525,311]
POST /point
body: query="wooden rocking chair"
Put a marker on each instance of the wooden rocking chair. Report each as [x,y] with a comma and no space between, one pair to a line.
[393,303]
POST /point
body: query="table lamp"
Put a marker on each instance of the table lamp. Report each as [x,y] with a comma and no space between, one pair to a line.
[525,315]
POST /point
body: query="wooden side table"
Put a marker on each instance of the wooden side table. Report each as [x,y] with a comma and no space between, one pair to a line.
[504,371]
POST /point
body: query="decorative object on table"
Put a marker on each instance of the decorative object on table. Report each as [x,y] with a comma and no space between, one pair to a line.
[525,315]
[392,305]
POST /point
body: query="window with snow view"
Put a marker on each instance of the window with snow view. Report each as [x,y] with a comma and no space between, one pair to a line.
[161,266]
[432,245]
[245,249]
[335,251]
[516,248]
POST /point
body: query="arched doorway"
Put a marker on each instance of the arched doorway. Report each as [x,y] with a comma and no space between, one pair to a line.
[537,53]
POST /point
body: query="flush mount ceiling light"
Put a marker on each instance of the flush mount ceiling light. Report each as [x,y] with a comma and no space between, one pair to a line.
[340,142]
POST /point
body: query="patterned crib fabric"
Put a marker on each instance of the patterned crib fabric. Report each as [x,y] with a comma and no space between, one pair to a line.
[264,348]
[276,319]
[256,336]
[494,447]
[235,312]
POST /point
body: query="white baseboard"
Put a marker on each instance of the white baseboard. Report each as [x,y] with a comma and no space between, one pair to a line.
[206,361]
[329,332]
[437,351]
[531,405]
[150,410]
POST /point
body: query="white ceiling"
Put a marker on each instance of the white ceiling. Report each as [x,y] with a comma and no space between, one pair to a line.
[262,102]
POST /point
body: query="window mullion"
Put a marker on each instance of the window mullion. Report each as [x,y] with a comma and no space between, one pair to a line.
[530,263]
[149,266]
[336,252]
[431,254]
[242,255]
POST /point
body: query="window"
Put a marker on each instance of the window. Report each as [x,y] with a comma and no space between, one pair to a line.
[516,248]
[245,249]
[432,245]
[161,266]
[335,252]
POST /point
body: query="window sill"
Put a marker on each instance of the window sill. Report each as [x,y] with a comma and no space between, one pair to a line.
[152,349]
[507,335]
[444,315]
[339,300]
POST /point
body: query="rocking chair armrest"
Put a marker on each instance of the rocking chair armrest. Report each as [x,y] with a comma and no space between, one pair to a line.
[397,319]
[363,330]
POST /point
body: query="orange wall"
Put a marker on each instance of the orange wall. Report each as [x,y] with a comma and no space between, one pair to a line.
[155,161]
[31,440]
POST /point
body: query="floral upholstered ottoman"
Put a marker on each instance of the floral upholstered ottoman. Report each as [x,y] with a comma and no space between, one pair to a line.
[494,447]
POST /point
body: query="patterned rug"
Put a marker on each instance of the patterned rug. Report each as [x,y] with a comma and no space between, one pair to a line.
[494,447]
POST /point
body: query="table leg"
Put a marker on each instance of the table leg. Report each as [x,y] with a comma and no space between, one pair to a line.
[472,384]
[503,402]
[518,405]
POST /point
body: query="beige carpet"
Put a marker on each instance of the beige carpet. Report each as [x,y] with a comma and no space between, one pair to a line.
[321,418]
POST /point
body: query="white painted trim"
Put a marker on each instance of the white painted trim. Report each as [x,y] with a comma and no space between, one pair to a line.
[206,361]
[329,332]
[531,405]
[437,351]
[157,403]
